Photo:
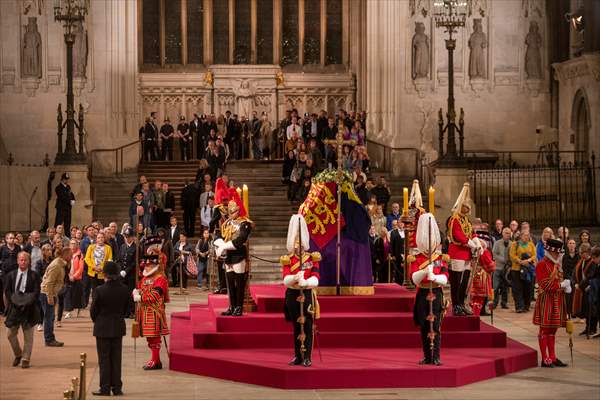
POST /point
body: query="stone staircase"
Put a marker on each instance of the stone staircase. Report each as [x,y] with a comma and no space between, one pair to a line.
[111,197]
[269,208]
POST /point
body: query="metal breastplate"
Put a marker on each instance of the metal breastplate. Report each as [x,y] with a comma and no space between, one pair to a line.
[230,230]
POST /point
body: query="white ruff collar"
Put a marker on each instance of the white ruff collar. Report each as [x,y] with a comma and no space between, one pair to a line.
[150,272]
[549,257]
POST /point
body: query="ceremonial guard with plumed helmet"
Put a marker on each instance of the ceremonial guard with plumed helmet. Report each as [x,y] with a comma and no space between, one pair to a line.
[300,276]
[429,272]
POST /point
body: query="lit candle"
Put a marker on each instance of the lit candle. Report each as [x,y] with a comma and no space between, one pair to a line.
[431,200]
[405,197]
[245,199]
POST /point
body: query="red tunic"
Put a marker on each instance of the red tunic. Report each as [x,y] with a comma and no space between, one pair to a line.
[481,285]
[459,233]
[310,265]
[440,267]
[550,308]
[151,315]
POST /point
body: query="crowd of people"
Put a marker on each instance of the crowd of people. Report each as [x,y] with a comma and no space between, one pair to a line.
[232,137]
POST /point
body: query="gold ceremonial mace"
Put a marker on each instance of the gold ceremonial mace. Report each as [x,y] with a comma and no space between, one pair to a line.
[339,142]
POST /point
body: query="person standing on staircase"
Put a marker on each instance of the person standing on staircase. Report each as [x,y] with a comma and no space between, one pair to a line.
[169,205]
[190,200]
[185,139]
[167,133]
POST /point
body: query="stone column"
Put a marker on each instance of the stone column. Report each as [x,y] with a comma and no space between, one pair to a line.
[231,30]
[301,32]
[253,22]
[207,34]
[276,31]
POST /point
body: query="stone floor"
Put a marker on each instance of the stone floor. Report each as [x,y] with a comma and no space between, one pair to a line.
[52,369]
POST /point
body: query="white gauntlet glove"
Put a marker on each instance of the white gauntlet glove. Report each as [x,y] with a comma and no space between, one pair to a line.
[473,245]
[565,283]
[123,274]
[440,279]
[568,289]
[137,297]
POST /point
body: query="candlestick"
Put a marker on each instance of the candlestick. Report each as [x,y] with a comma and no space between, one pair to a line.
[431,200]
[245,199]
[405,198]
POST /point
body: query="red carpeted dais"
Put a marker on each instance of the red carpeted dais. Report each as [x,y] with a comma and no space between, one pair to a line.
[365,342]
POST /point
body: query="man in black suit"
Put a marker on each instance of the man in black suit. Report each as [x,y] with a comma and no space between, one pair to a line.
[64,202]
[397,249]
[173,231]
[169,205]
[190,201]
[108,311]
[22,291]
[126,260]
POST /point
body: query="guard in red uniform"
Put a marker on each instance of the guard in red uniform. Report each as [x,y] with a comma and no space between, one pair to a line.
[152,294]
[550,307]
[301,276]
[481,284]
[429,272]
[460,235]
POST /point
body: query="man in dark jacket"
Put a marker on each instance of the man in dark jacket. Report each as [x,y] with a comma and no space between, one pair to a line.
[190,201]
[22,291]
[397,249]
[126,261]
[382,193]
[8,261]
[64,202]
[108,311]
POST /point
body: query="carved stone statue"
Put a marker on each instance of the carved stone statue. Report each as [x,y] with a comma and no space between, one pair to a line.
[80,51]
[477,7]
[419,6]
[32,51]
[420,52]
[533,57]
[477,57]
[244,96]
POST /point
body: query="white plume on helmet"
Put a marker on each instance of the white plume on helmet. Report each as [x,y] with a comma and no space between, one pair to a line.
[464,199]
[416,198]
[297,222]
[428,234]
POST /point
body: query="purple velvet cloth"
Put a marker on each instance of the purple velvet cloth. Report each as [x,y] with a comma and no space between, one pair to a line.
[355,269]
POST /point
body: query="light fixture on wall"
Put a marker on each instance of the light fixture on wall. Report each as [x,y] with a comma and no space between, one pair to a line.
[70,13]
[576,20]
[450,14]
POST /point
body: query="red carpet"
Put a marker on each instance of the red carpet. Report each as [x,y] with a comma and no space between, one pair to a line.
[365,341]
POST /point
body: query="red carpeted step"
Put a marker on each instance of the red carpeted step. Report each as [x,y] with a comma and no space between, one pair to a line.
[338,322]
[354,368]
[488,337]
[367,349]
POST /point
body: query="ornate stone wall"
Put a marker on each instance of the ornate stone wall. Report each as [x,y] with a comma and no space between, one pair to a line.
[242,89]
[503,106]
[104,83]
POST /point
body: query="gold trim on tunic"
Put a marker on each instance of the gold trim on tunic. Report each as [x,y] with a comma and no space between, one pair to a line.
[346,290]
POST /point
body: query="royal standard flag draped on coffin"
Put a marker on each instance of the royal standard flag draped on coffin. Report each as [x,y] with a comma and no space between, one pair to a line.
[320,212]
